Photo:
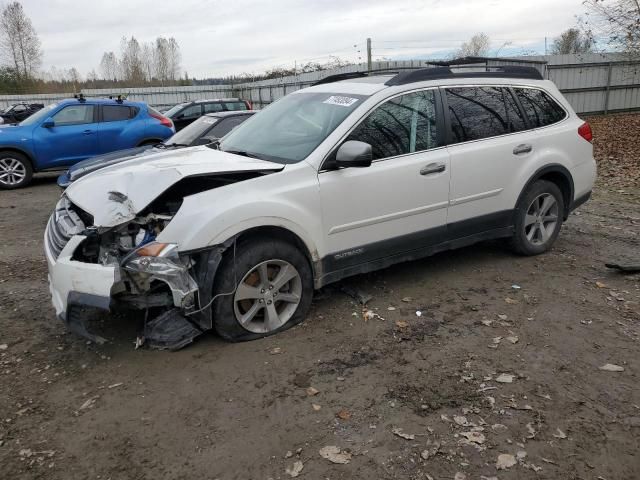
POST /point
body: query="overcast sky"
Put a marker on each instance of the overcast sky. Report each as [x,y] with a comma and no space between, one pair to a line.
[222,37]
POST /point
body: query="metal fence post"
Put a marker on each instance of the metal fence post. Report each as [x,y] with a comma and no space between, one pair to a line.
[606,94]
[260,96]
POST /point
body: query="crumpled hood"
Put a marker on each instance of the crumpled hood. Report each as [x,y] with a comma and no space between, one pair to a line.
[116,194]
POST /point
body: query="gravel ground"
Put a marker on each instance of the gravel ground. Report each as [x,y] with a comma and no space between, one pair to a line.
[487,375]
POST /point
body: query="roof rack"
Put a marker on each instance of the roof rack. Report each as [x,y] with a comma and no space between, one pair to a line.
[406,75]
[437,73]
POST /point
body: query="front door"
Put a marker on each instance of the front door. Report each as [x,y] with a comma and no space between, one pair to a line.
[73,137]
[397,204]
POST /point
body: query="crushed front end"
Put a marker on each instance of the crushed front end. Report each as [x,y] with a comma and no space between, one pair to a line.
[123,266]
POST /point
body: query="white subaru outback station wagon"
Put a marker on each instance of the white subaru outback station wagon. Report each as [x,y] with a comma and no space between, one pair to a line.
[353,174]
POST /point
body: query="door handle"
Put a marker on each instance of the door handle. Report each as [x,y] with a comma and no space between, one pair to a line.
[522,148]
[432,168]
[87,132]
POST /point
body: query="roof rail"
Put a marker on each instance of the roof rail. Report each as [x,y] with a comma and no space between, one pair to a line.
[340,76]
[437,73]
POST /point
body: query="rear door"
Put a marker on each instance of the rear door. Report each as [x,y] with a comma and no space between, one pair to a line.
[73,137]
[115,128]
[397,204]
[490,145]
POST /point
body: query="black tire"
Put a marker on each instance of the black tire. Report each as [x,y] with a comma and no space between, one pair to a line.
[248,255]
[528,242]
[9,181]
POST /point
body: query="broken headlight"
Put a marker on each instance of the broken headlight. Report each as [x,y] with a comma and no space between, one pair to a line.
[155,258]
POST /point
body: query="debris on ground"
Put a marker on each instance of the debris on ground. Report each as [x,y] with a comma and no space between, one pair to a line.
[344,414]
[475,437]
[295,469]
[361,297]
[316,407]
[275,351]
[407,436]
[626,268]
[505,460]
[335,454]
[311,391]
[560,434]
[504,378]
[610,367]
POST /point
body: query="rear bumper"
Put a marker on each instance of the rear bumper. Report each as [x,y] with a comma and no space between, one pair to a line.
[78,283]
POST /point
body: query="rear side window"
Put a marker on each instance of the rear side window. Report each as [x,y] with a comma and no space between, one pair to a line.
[402,125]
[213,107]
[235,105]
[225,126]
[194,111]
[481,112]
[115,113]
[540,108]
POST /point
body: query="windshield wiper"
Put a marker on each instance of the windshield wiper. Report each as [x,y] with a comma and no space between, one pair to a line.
[170,145]
[243,153]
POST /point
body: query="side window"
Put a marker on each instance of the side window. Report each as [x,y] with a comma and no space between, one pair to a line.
[235,105]
[402,125]
[213,107]
[225,126]
[481,112]
[541,109]
[19,108]
[74,115]
[194,111]
[115,113]
[514,114]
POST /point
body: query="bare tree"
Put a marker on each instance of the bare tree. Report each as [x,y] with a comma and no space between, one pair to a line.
[572,40]
[477,46]
[109,66]
[131,61]
[618,21]
[161,59]
[148,59]
[175,57]
[19,41]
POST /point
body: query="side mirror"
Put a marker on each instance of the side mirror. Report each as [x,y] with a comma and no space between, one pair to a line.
[48,123]
[354,154]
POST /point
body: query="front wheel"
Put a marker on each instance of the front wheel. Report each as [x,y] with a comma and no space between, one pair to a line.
[266,290]
[538,218]
[15,170]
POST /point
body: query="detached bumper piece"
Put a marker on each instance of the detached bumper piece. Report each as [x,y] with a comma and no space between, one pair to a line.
[170,331]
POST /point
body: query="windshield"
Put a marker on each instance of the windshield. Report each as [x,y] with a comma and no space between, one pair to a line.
[192,132]
[39,115]
[291,128]
[174,109]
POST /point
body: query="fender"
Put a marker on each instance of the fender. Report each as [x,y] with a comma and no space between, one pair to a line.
[22,151]
[554,168]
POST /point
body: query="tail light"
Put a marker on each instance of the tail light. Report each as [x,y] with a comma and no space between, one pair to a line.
[163,120]
[248,104]
[585,132]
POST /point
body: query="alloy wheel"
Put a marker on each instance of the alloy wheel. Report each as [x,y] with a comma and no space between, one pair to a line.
[12,171]
[267,296]
[541,219]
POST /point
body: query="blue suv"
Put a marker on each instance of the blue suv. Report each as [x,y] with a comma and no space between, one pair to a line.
[65,133]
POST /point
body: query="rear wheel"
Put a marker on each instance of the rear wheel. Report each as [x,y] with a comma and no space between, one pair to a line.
[15,170]
[538,218]
[272,290]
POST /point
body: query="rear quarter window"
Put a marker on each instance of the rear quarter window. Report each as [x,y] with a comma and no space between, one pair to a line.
[540,108]
[116,113]
[235,105]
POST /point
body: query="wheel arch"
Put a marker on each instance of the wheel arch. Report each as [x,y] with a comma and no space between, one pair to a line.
[560,176]
[280,233]
[27,155]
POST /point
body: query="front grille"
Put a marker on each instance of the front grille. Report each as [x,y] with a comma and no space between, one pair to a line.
[63,224]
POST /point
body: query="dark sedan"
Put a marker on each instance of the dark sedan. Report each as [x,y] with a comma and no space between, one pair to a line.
[18,112]
[206,129]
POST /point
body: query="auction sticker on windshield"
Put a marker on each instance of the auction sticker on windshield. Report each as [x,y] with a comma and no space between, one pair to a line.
[339,100]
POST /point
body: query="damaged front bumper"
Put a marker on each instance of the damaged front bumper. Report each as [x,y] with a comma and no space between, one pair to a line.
[131,284]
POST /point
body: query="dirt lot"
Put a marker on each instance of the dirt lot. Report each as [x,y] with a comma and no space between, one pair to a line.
[74,410]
